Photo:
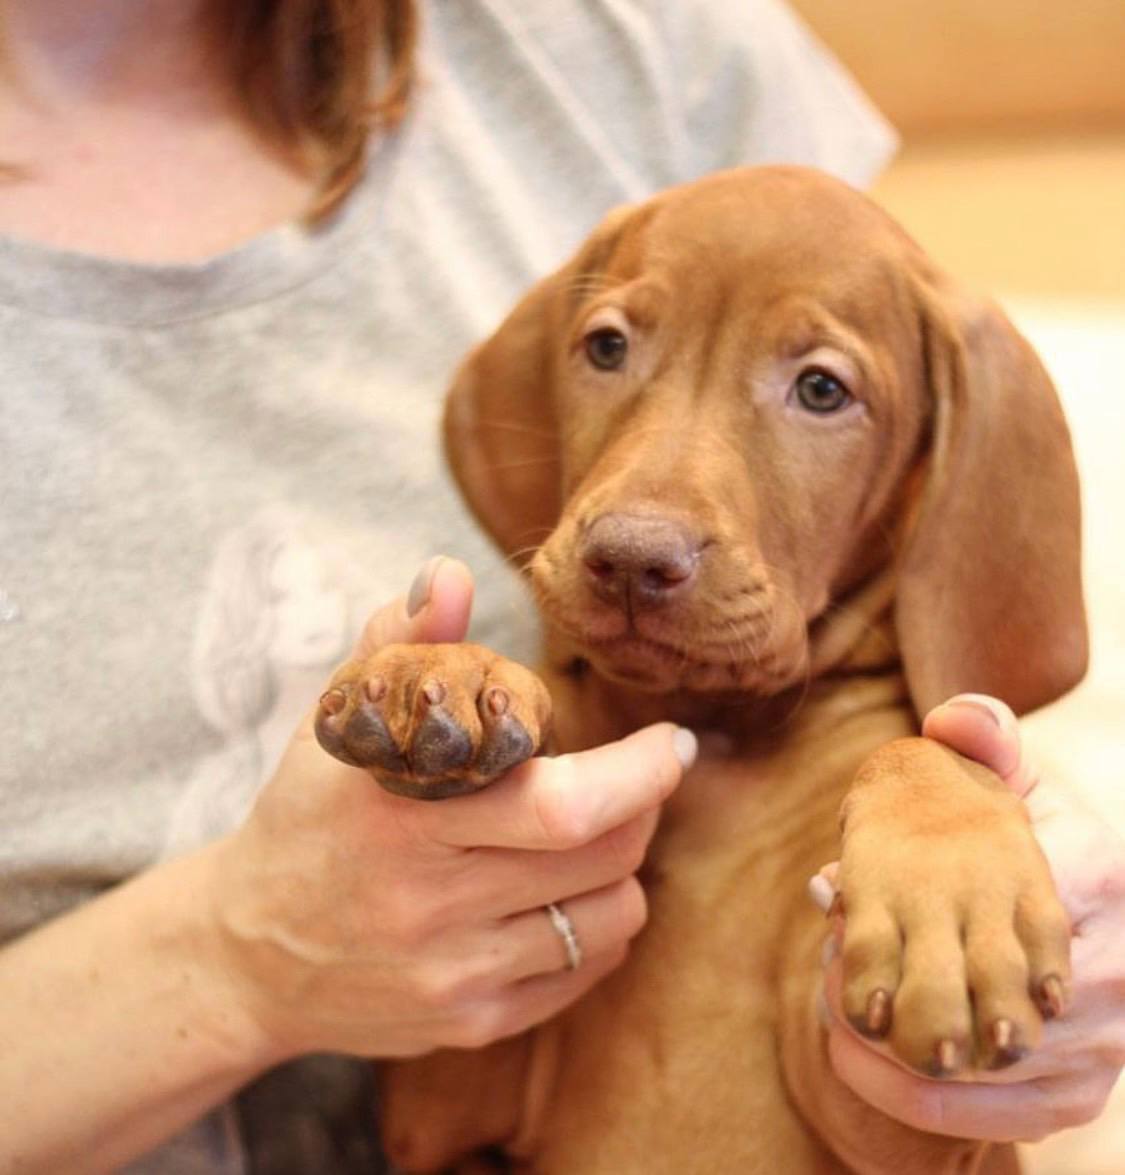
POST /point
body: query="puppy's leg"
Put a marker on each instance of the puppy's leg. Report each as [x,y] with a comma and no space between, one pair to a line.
[430,721]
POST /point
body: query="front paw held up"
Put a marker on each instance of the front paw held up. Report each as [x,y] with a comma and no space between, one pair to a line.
[955,946]
[431,721]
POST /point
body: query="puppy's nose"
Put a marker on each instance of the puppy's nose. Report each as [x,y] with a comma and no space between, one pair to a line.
[639,561]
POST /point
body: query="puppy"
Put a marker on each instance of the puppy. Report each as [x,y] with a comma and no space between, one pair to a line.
[771,474]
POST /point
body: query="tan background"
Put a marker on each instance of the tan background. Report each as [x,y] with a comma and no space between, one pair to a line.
[1012,174]
[1012,114]
[951,64]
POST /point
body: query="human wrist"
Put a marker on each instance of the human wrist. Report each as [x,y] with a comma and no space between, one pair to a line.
[231,1002]
[259,973]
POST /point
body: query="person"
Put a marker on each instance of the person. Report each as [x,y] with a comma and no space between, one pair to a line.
[1068,1078]
[232,290]
[228,307]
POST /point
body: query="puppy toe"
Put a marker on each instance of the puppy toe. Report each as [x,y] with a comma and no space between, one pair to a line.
[1044,932]
[932,1026]
[872,961]
[351,726]
[1008,1024]
[444,739]
[514,710]
[506,742]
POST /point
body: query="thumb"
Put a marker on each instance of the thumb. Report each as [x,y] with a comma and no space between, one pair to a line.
[435,609]
[985,729]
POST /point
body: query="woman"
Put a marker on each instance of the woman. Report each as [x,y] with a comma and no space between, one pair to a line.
[243,243]
[231,290]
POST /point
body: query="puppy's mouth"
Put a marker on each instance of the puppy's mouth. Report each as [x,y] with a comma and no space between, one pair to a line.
[655,666]
[652,605]
[641,654]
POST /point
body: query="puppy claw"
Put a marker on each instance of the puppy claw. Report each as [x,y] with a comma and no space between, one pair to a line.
[434,692]
[333,701]
[878,1019]
[1052,997]
[1002,1032]
[498,700]
[946,1059]
[1006,1048]
[359,737]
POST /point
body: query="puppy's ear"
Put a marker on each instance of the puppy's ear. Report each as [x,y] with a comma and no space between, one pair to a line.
[500,432]
[500,429]
[990,592]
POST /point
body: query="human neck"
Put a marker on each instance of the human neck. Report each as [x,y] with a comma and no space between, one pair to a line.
[120,137]
[62,51]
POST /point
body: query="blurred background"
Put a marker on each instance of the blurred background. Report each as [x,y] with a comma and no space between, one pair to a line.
[1012,175]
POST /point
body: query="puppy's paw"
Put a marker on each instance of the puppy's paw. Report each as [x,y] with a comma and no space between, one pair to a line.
[430,721]
[956,946]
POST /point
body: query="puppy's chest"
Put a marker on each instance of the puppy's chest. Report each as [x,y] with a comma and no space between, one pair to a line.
[682,1041]
[734,849]
[726,874]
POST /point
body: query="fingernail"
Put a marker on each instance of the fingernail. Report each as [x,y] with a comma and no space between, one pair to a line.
[419,595]
[685,745]
[821,892]
[981,703]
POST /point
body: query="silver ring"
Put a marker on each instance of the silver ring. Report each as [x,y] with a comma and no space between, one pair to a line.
[567,933]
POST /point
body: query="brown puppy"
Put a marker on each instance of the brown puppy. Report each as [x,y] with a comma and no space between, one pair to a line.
[792,486]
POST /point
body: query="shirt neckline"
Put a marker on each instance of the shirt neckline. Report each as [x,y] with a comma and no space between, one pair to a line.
[61,283]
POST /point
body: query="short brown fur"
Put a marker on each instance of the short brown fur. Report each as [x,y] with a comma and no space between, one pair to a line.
[832,576]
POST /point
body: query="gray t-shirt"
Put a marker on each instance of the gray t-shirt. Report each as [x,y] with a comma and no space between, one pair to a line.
[209,473]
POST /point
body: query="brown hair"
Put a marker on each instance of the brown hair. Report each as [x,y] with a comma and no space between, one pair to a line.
[318,78]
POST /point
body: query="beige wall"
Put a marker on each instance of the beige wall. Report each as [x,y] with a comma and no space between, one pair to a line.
[1012,113]
[948,64]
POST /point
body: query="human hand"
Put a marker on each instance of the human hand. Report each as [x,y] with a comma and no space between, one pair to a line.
[358,921]
[1067,1080]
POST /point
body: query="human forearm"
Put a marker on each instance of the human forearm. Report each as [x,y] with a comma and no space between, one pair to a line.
[119,1025]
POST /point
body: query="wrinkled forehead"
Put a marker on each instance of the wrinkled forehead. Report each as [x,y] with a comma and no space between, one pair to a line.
[764,236]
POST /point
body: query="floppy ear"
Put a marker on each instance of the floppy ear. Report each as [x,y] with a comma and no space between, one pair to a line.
[500,432]
[990,593]
[500,428]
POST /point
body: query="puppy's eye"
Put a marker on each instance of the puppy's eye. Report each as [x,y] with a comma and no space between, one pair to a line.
[819,392]
[606,348]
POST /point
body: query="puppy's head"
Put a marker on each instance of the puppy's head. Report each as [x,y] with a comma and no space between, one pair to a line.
[739,407]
